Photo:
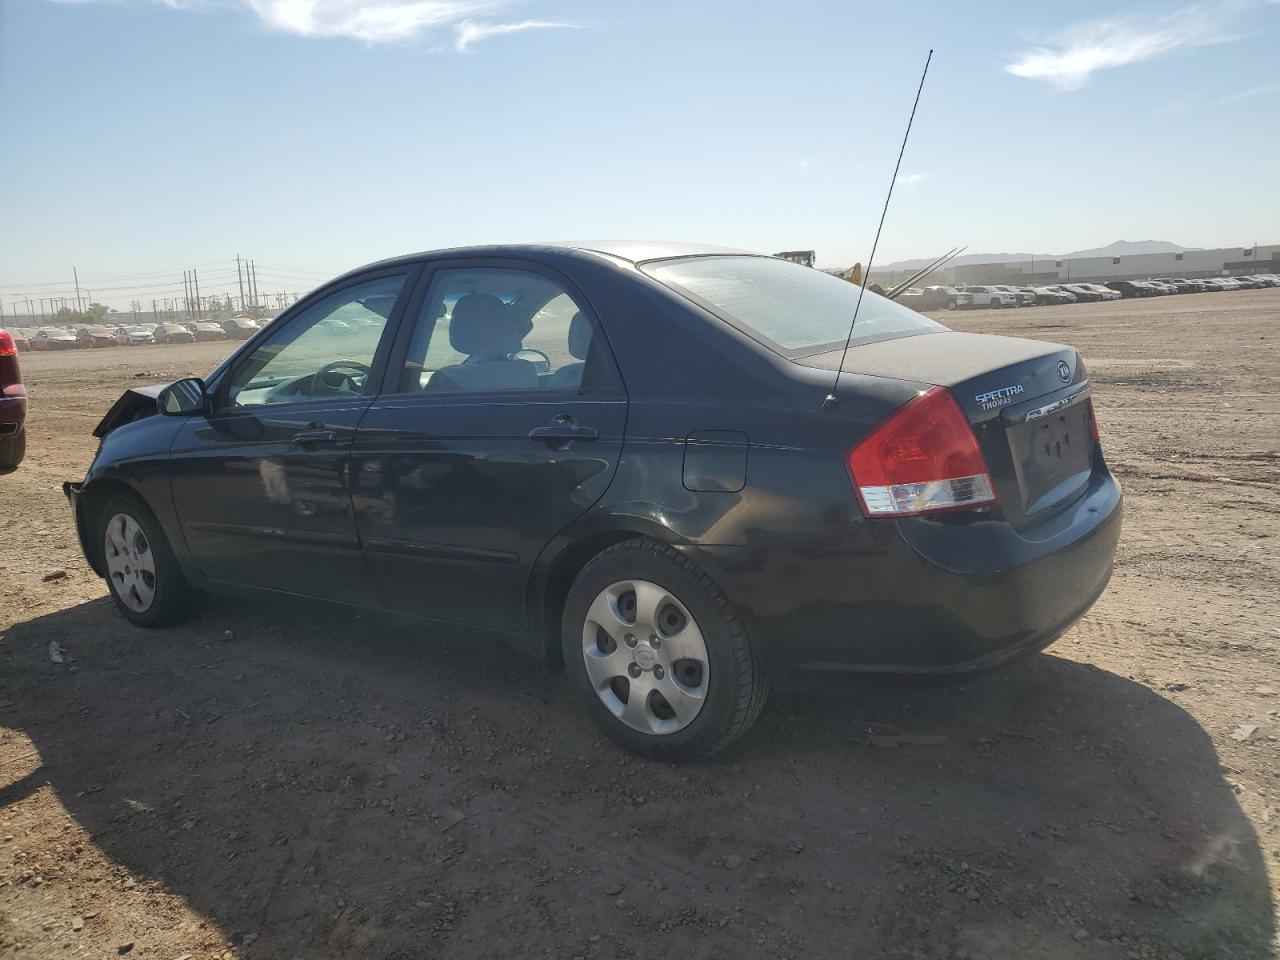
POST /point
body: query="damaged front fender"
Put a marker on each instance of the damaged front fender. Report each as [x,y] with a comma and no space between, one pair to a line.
[135,403]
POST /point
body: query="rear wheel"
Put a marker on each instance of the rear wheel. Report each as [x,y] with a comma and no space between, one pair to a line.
[995,303]
[142,573]
[12,450]
[661,660]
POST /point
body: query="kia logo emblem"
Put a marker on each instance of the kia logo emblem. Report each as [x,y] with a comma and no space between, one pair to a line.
[1064,371]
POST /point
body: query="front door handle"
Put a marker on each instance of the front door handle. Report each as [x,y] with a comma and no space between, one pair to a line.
[314,436]
[563,430]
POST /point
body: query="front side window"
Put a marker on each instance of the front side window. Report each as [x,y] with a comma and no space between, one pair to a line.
[494,329]
[326,352]
[797,309]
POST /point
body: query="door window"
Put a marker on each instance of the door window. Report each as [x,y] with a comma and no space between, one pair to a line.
[324,353]
[491,329]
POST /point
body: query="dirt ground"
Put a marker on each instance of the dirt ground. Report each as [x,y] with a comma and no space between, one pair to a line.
[324,784]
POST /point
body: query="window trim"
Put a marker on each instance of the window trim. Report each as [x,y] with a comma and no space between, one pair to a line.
[220,380]
[399,353]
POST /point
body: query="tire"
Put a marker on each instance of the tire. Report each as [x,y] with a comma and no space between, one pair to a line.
[12,450]
[718,687]
[951,305]
[994,303]
[143,575]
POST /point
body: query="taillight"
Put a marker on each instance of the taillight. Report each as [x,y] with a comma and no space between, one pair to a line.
[923,459]
[7,346]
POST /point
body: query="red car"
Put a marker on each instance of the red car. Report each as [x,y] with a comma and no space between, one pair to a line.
[13,405]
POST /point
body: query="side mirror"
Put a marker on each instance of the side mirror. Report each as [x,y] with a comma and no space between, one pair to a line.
[183,398]
[540,361]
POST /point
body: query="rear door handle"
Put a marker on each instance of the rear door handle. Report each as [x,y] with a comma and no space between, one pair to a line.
[562,430]
[315,436]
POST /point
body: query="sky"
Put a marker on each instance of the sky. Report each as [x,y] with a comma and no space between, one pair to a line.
[143,137]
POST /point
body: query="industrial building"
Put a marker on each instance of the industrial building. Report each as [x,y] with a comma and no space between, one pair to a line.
[1219,262]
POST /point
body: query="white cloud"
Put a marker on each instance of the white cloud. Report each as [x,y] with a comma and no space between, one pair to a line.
[373,21]
[909,179]
[1070,59]
[467,33]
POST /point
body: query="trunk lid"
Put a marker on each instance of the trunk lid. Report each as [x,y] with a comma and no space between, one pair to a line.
[1027,401]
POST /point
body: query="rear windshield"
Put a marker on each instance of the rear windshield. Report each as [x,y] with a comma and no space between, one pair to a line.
[796,309]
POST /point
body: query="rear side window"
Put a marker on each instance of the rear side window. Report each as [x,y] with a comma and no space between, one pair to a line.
[501,330]
[796,309]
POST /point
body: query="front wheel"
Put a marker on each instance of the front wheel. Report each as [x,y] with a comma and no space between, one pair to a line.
[661,660]
[142,573]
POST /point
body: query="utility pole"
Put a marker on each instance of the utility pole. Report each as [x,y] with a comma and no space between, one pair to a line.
[196,280]
[240,279]
[186,294]
[79,302]
[155,314]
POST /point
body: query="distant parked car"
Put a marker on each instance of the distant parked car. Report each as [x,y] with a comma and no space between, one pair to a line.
[1024,298]
[53,338]
[1082,294]
[1161,287]
[1250,283]
[990,296]
[134,335]
[13,405]
[1182,285]
[207,330]
[1219,284]
[95,336]
[239,328]
[1270,279]
[949,297]
[1106,293]
[21,339]
[1131,288]
[1049,296]
[173,333]
[912,297]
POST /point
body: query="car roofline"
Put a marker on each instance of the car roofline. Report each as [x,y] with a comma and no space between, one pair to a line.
[634,253]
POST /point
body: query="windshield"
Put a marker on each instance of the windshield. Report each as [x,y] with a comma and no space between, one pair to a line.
[795,309]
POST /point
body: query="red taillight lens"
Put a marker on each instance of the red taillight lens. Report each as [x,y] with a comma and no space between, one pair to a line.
[7,346]
[923,459]
[1093,423]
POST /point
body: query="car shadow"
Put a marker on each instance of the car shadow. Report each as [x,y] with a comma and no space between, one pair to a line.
[325,783]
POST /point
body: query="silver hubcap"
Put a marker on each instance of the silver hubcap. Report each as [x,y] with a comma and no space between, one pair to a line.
[645,656]
[131,565]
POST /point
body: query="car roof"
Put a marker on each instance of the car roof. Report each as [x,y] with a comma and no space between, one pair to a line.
[632,251]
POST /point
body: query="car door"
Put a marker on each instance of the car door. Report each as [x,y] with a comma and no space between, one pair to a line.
[505,424]
[262,484]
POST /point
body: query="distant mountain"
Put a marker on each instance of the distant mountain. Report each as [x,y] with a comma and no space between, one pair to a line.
[1128,248]
[1121,248]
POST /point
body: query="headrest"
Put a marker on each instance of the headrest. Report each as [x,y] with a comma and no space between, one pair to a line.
[579,336]
[482,325]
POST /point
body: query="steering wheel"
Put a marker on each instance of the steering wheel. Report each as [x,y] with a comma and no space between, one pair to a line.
[323,381]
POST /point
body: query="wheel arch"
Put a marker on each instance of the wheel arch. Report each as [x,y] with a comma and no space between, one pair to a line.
[96,495]
[560,564]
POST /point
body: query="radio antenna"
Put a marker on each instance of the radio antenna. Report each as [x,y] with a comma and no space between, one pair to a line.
[830,401]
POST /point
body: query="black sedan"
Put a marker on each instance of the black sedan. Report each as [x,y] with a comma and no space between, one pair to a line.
[636,460]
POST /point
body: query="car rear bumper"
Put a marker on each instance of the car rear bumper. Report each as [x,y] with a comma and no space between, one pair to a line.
[951,594]
[13,412]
